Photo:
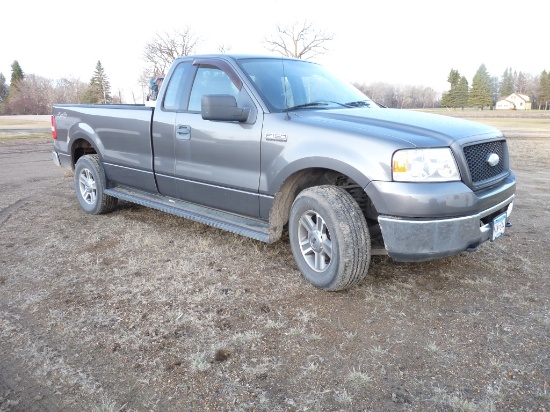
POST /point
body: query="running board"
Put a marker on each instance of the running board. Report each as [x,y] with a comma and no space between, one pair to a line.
[253,228]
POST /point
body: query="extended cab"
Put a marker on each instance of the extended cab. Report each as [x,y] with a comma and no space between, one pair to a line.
[254,144]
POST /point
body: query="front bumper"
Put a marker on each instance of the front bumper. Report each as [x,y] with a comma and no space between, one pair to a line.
[410,240]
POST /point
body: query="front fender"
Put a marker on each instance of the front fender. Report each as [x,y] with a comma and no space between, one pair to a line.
[289,146]
[318,162]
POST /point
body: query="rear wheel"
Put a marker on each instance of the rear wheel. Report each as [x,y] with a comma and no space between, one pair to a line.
[329,238]
[89,186]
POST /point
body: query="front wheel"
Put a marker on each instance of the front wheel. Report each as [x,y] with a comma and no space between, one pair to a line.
[89,186]
[329,238]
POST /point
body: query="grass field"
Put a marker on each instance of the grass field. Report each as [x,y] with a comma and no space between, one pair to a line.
[24,122]
[24,127]
[513,123]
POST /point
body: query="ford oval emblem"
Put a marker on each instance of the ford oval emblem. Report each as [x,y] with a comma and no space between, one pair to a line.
[493,159]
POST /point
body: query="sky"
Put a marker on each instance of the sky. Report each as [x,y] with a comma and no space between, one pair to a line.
[402,42]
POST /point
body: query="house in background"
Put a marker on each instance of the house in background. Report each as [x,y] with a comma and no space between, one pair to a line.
[515,101]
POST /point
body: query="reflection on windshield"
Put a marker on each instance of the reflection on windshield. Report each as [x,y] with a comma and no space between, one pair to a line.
[287,84]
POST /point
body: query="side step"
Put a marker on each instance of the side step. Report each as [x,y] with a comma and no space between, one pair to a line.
[253,228]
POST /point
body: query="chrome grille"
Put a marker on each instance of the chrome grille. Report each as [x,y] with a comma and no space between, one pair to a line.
[476,157]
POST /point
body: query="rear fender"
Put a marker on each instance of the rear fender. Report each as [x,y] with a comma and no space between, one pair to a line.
[80,133]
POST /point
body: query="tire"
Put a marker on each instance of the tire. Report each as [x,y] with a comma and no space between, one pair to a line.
[89,186]
[329,238]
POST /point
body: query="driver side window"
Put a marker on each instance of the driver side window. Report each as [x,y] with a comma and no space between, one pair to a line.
[210,80]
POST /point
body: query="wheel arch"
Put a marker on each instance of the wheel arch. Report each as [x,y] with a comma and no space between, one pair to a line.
[313,163]
[83,140]
[314,176]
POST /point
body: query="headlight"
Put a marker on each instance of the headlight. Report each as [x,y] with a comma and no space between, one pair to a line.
[424,165]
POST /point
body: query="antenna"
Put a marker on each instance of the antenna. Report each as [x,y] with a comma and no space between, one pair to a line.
[284,83]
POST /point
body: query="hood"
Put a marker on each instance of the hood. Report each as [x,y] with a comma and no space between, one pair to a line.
[416,128]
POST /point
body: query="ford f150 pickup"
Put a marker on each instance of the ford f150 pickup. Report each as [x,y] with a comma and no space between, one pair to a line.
[256,144]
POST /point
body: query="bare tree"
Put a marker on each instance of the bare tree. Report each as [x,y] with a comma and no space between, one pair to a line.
[117,97]
[224,48]
[134,98]
[401,96]
[68,90]
[298,40]
[164,49]
[37,94]
[34,95]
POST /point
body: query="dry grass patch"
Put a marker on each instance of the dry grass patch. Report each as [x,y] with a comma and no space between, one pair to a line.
[24,122]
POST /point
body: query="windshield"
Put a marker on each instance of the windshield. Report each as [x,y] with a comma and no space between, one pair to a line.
[296,84]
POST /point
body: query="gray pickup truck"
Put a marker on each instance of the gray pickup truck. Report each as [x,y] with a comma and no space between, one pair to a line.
[256,144]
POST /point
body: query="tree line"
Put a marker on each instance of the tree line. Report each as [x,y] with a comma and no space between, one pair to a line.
[485,90]
[33,94]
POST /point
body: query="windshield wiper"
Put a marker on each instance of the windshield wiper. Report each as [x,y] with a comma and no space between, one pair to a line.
[315,104]
[301,106]
[359,103]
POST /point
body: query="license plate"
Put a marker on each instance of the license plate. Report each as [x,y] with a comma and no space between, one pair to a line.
[499,226]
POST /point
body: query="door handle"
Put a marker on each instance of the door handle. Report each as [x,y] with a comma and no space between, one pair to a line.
[183,132]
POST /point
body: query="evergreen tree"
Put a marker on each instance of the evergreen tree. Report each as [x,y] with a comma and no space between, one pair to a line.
[507,84]
[4,89]
[462,93]
[446,99]
[495,86]
[17,74]
[449,99]
[17,77]
[453,78]
[481,94]
[515,81]
[99,89]
[544,90]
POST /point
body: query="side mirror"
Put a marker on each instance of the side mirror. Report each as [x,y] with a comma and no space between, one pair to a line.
[222,107]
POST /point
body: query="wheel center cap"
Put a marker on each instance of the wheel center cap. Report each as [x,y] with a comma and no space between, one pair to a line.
[316,241]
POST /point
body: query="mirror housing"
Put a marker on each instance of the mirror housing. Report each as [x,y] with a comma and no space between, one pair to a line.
[222,107]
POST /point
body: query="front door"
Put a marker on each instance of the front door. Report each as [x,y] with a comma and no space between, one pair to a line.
[217,164]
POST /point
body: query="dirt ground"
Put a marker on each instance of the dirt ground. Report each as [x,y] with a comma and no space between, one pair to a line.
[142,311]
